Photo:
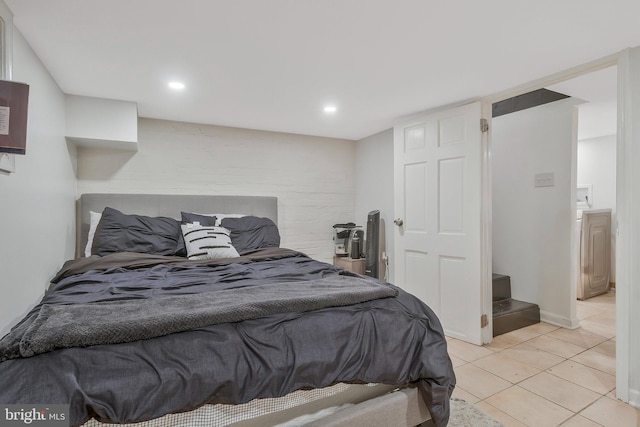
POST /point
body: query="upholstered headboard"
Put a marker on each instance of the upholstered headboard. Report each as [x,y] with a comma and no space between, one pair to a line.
[169,205]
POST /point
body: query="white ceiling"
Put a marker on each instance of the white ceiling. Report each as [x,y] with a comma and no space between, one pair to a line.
[274,64]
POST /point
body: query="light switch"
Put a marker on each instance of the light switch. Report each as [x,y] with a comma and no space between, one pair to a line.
[544,179]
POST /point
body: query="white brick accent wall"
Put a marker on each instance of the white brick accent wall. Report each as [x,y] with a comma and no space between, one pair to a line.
[313,177]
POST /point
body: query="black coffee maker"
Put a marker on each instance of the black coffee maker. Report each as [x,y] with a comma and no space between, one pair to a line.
[348,240]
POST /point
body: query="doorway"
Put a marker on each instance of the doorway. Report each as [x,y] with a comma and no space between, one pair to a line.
[536,171]
[591,163]
[544,145]
[595,164]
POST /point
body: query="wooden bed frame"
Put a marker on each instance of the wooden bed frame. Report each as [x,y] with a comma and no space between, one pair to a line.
[403,407]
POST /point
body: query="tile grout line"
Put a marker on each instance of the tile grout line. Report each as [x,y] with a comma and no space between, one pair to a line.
[547,370]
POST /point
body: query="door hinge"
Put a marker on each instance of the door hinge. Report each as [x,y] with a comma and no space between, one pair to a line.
[484,321]
[484,125]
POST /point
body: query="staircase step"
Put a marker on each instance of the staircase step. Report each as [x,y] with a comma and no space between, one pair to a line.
[510,314]
[501,285]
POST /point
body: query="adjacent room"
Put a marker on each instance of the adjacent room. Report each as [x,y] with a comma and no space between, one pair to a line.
[327,213]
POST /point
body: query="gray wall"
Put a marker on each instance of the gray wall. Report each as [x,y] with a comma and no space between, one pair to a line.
[37,213]
[374,184]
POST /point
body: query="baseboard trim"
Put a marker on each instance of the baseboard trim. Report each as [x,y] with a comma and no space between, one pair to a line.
[554,319]
[634,398]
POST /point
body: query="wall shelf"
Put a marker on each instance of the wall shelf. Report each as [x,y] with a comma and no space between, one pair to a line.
[101,123]
[103,144]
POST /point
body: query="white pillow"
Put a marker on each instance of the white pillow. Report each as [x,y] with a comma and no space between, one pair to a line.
[93,224]
[207,242]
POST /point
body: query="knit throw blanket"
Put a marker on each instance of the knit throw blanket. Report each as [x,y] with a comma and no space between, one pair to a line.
[79,325]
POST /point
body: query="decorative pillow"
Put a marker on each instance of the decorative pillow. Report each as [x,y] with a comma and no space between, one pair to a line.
[251,232]
[204,219]
[93,224]
[207,242]
[118,232]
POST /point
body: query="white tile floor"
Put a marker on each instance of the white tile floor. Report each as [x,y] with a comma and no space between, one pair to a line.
[543,375]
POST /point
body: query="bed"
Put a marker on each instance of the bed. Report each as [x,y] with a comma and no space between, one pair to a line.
[263,336]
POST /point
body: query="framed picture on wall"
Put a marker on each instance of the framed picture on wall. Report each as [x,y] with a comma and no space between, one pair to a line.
[7,160]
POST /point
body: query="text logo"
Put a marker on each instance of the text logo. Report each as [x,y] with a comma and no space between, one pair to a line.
[34,415]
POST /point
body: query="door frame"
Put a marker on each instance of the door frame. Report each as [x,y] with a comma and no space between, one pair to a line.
[624,262]
[486,232]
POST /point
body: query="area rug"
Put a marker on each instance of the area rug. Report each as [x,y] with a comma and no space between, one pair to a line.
[464,414]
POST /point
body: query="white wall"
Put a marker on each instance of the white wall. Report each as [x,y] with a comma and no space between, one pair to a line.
[532,226]
[597,167]
[37,211]
[98,119]
[628,240]
[374,184]
[313,177]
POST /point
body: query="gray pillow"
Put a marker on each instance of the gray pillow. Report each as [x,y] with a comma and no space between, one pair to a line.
[251,232]
[206,242]
[118,232]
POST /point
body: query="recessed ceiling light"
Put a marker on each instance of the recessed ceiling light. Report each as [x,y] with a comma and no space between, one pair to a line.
[176,85]
[330,109]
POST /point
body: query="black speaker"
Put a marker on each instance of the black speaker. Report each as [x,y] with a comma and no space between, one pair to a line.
[372,252]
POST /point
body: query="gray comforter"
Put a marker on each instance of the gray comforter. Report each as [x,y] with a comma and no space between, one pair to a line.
[131,337]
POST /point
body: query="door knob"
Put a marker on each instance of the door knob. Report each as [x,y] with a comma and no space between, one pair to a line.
[399,222]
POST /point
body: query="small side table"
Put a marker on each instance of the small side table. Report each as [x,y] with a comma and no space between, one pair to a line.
[350,264]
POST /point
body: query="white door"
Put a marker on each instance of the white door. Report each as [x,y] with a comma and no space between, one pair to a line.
[437,161]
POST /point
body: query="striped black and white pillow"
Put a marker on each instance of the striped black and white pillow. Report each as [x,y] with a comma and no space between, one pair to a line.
[207,242]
